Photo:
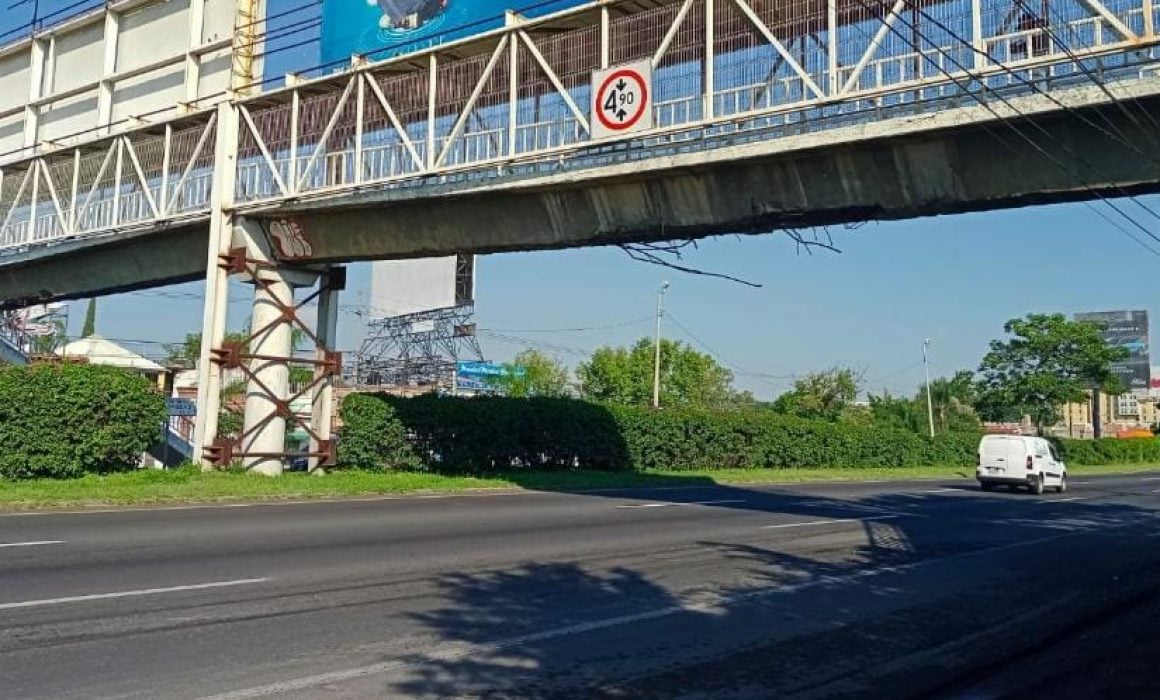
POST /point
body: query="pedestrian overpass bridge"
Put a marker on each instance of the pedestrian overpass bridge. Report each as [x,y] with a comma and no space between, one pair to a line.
[766,115]
[818,113]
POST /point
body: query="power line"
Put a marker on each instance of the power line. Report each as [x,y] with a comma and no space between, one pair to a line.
[882,379]
[564,349]
[618,324]
[393,49]
[768,379]
[1035,88]
[1008,123]
[1088,73]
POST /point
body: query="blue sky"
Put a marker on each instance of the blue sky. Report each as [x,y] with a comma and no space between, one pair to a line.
[952,279]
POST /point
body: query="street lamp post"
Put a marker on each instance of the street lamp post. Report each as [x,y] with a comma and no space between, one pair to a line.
[656,400]
[926,370]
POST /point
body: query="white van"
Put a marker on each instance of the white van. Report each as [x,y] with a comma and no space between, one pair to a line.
[1018,460]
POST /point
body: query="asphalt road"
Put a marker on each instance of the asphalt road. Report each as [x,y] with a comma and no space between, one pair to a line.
[920,589]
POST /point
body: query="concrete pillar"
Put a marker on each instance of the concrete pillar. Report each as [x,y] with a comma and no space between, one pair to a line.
[264,427]
[323,402]
[221,238]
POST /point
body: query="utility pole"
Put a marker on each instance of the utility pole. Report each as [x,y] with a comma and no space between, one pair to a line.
[926,370]
[656,402]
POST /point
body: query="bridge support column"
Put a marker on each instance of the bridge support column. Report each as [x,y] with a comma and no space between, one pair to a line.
[266,355]
[322,407]
[213,328]
[263,440]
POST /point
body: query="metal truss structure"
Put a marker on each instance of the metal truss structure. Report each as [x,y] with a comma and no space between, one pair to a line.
[418,350]
[515,100]
[126,182]
[240,355]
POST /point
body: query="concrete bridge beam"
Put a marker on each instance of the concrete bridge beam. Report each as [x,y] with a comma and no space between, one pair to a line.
[762,187]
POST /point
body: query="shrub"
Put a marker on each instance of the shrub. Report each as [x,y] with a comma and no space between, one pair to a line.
[1110,451]
[490,433]
[71,419]
[372,436]
[706,439]
[494,433]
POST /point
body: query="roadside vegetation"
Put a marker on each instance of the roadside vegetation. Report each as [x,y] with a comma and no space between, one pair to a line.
[74,433]
[66,420]
[191,486]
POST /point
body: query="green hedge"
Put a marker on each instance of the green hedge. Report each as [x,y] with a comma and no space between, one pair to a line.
[1110,451]
[701,439]
[485,434]
[495,433]
[373,438]
[71,419]
[478,435]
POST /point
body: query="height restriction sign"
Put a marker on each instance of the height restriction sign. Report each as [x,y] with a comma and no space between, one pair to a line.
[622,100]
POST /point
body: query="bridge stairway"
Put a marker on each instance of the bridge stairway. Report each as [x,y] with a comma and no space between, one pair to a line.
[10,352]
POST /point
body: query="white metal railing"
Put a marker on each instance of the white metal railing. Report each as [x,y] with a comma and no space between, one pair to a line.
[135,179]
[424,115]
[882,70]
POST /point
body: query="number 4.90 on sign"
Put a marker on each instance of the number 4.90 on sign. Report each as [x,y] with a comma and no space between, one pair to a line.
[622,100]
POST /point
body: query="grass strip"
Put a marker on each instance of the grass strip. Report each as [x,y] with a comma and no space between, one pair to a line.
[190,486]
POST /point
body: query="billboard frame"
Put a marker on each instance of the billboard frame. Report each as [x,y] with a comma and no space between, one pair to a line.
[202,86]
[1136,370]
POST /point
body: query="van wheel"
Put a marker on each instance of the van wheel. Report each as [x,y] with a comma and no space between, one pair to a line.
[1062,484]
[1036,485]
[986,486]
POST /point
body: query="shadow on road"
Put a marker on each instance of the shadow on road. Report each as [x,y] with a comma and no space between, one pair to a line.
[800,609]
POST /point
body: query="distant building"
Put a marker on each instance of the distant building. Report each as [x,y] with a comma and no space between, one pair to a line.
[1117,414]
[100,351]
[96,350]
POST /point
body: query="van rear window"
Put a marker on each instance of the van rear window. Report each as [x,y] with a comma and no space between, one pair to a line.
[997,445]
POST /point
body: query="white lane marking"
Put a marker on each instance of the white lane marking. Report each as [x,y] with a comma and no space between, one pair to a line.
[940,490]
[460,650]
[130,594]
[1154,491]
[1151,478]
[37,543]
[1065,500]
[1081,482]
[689,503]
[808,523]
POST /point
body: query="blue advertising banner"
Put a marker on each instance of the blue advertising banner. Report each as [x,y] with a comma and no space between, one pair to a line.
[383,28]
[483,370]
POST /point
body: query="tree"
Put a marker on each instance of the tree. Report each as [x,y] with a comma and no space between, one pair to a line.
[625,376]
[185,354]
[823,395]
[188,352]
[898,412]
[953,401]
[90,327]
[1049,361]
[532,373]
